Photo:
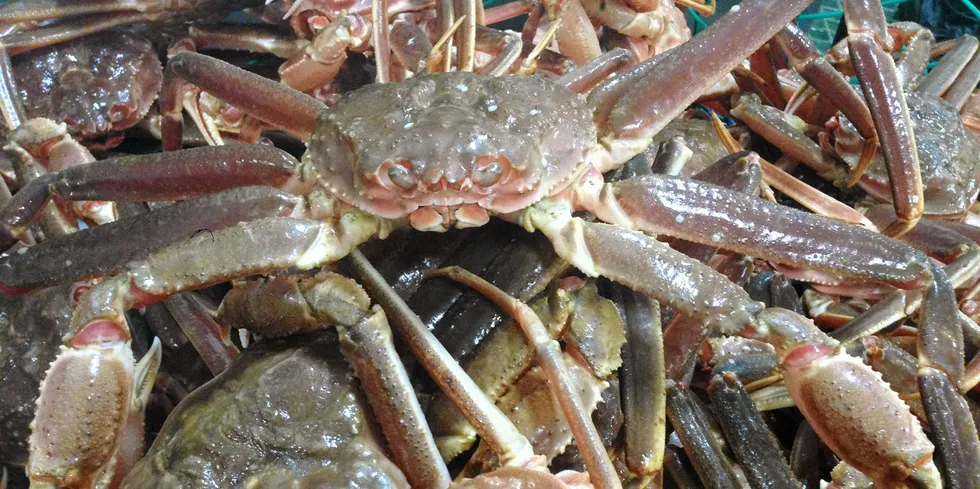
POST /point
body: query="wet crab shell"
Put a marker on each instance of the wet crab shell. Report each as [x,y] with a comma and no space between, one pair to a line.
[537,133]
[97,85]
[250,428]
[949,156]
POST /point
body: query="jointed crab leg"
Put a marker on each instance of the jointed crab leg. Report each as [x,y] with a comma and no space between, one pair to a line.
[913,61]
[277,105]
[548,354]
[882,88]
[587,76]
[961,89]
[157,177]
[953,428]
[716,216]
[410,45]
[642,381]
[819,73]
[945,72]
[633,107]
[494,427]
[749,438]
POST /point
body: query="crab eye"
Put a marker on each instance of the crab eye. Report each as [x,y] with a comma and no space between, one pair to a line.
[488,171]
[401,175]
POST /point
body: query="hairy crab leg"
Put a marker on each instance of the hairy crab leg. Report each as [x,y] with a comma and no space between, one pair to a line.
[548,353]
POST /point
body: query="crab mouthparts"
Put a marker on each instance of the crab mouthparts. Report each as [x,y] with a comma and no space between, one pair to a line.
[441,218]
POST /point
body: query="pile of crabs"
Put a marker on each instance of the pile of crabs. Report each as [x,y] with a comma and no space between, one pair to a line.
[743,262]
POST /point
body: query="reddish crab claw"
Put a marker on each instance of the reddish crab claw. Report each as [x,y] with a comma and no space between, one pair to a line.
[398,154]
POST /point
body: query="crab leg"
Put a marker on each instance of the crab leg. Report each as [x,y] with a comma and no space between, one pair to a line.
[548,354]
[202,331]
[883,91]
[691,424]
[492,425]
[818,72]
[263,98]
[509,10]
[961,89]
[945,72]
[631,108]
[642,381]
[10,103]
[16,12]
[585,77]
[912,62]
[576,37]
[318,63]
[620,255]
[715,216]
[954,430]
[504,46]
[253,38]
[753,444]
[155,177]
[466,35]
[410,45]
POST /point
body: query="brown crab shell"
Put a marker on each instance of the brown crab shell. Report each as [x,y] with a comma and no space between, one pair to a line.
[97,85]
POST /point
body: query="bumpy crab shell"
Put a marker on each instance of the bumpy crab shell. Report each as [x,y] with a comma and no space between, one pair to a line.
[96,85]
[534,133]
[287,413]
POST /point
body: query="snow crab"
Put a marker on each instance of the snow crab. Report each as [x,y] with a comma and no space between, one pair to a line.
[455,149]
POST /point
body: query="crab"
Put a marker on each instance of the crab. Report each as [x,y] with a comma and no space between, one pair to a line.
[455,149]
[99,85]
[918,155]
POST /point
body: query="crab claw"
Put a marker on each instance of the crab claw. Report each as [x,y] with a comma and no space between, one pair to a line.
[853,410]
[88,426]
